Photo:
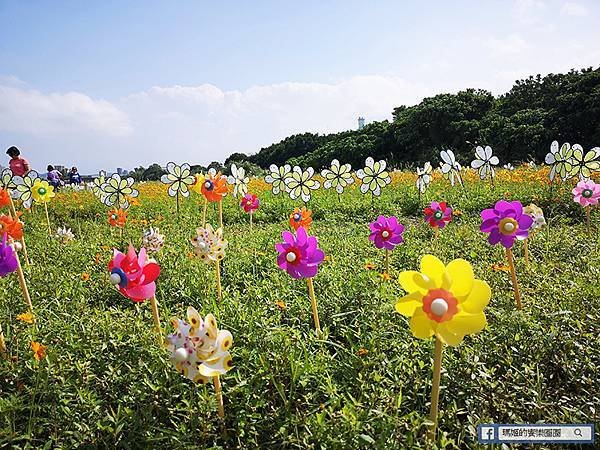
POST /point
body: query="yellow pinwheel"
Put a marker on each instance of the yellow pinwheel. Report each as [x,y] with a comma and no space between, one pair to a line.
[445,300]
[41,191]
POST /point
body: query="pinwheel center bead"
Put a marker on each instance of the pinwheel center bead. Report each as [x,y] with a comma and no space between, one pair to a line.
[115,279]
[208,185]
[181,355]
[114,217]
[438,215]
[41,191]
[587,193]
[202,245]
[385,234]
[291,257]
[297,217]
[508,226]
[439,307]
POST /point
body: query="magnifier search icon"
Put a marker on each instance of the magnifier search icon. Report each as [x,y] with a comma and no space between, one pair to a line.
[577,432]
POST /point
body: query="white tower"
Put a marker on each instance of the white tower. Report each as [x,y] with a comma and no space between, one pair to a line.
[361,123]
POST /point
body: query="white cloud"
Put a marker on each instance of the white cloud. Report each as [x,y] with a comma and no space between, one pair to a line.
[528,11]
[574,9]
[512,44]
[24,110]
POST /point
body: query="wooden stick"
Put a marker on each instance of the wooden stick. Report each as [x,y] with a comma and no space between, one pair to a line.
[25,251]
[47,218]
[219,395]
[23,284]
[156,317]
[14,213]
[513,274]
[250,221]
[435,388]
[526,249]
[204,213]
[218,272]
[587,217]
[313,301]
[387,261]
[221,214]
[2,342]
[436,233]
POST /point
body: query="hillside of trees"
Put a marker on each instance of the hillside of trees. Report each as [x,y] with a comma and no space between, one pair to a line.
[519,126]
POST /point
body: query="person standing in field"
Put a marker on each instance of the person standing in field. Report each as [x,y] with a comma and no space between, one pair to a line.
[18,165]
[53,177]
[74,177]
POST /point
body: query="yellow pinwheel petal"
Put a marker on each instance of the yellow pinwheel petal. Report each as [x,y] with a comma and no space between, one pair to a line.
[465,323]
[461,276]
[409,303]
[413,281]
[447,336]
[434,269]
[478,298]
[420,325]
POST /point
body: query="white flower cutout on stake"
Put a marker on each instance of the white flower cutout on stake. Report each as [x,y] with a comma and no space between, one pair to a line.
[64,235]
[7,181]
[276,178]
[24,187]
[560,160]
[238,180]
[179,179]
[373,176]
[450,168]
[152,240]
[117,189]
[583,164]
[337,177]
[424,177]
[484,162]
[300,183]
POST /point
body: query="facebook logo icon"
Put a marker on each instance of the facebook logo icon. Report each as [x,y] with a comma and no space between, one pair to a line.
[486,433]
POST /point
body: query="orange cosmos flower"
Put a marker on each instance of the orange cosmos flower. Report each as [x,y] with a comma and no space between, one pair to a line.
[214,187]
[12,227]
[117,218]
[39,350]
[4,198]
[301,218]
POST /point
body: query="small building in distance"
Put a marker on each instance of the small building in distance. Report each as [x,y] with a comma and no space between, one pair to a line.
[361,122]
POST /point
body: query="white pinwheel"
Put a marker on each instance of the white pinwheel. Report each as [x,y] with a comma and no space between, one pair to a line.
[300,183]
[484,162]
[7,181]
[424,177]
[239,180]
[450,167]
[24,187]
[584,163]
[560,160]
[337,177]
[179,178]
[152,240]
[116,190]
[508,166]
[373,176]
[64,235]
[276,177]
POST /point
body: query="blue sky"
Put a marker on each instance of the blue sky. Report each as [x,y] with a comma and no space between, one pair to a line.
[107,84]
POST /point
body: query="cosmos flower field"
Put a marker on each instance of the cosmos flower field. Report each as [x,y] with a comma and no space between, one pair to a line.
[102,380]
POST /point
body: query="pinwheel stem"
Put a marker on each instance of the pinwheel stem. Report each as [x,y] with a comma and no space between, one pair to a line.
[436,233]
[219,395]
[435,388]
[25,250]
[47,218]
[204,213]
[313,301]
[218,272]
[526,250]
[587,218]
[250,221]
[387,261]
[177,202]
[221,214]
[513,274]
[23,284]
[156,317]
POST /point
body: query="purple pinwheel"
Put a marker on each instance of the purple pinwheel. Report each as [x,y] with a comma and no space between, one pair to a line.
[8,259]
[299,255]
[386,232]
[505,222]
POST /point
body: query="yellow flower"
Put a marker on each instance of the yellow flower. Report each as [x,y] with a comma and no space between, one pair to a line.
[445,300]
[369,266]
[85,276]
[362,351]
[39,350]
[280,305]
[500,268]
[385,276]
[26,317]
[41,191]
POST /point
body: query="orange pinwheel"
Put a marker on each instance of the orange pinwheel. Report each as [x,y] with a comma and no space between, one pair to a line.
[12,227]
[301,218]
[39,350]
[214,187]
[117,218]
[4,198]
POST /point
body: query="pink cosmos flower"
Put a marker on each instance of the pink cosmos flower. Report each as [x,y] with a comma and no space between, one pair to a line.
[438,214]
[299,255]
[505,222]
[386,232]
[250,203]
[8,259]
[134,275]
[586,193]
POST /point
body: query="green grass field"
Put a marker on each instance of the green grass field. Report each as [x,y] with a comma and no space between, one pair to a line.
[365,382]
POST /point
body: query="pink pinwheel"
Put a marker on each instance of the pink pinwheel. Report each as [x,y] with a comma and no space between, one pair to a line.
[250,203]
[8,259]
[135,275]
[386,232]
[299,255]
[505,222]
[438,214]
[586,193]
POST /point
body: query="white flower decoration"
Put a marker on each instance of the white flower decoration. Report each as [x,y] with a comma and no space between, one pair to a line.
[299,183]
[179,179]
[23,187]
[337,177]
[116,190]
[560,160]
[484,162]
[373,176]
[424,177]
[450,167]
[7,181]
[199,350]
[509,166]
[584,163]
[277,176]
[64,235]
[152,240]
[239,180]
